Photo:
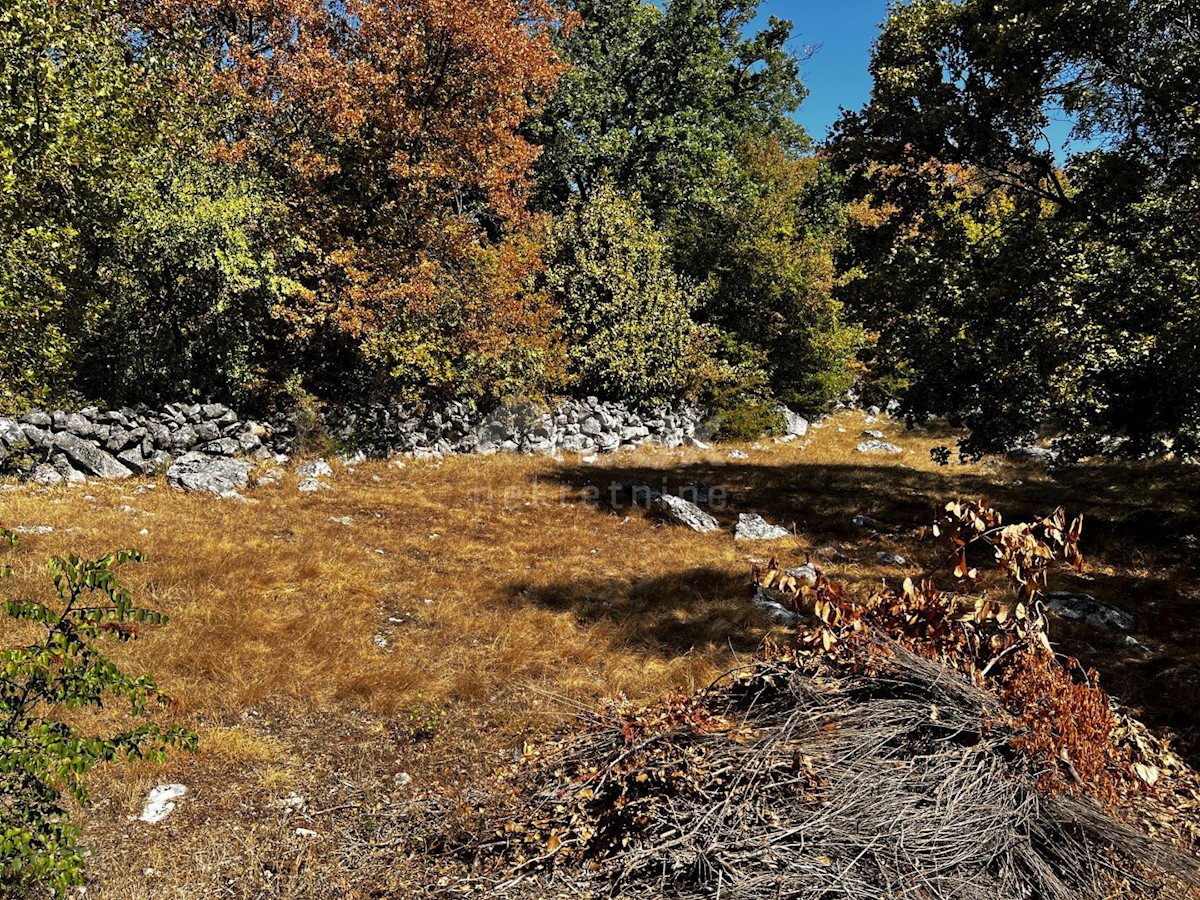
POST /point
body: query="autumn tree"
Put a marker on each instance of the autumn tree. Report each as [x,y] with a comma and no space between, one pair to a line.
[389,135]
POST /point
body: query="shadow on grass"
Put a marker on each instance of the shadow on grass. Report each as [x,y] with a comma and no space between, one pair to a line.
[1140,537]
[669,614]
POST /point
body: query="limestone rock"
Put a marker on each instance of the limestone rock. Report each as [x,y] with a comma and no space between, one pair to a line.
[88,457]
[877,446]
[196,472]
[776,612]
[1086,608]
[684,512]
[793,422]
[317,468]
[753,527]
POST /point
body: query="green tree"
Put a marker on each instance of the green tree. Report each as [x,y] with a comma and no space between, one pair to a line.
[1009,292]
[191,281]
[624,311]
[767,257]
[658,100]
[69,124]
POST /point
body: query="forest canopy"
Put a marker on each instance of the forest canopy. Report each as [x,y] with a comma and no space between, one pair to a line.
[256,201]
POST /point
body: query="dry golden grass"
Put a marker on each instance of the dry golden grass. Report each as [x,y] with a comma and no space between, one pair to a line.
[504,597]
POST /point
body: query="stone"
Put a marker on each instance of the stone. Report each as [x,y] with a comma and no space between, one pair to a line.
[1086,608]
[699,444]
[873,433]
[793,423]
[11,433]
[161,802]
[684,512]
[159,461]
[88,457]
[79,426]
[877,446]
[753,527]
[184,437]
[37,418]
[196,472]
[309,485]
[738,454]
[806,573]
[888,558]
[776,612]
[207,431]
[134,460]
[1042,455]
[577,443]
[317,468]
[46,474]
[222,447]
[37,437]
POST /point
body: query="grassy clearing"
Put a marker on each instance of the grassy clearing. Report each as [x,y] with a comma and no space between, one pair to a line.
[468,605]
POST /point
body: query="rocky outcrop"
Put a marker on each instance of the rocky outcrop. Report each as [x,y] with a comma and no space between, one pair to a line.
[877,446]
[1086,608]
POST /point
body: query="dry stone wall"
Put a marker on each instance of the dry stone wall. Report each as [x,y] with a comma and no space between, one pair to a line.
[52,447]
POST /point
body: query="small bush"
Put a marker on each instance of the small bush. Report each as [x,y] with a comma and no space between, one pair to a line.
[44,759]
[747,420]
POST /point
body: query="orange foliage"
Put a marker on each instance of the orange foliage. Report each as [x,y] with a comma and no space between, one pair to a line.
[391,132]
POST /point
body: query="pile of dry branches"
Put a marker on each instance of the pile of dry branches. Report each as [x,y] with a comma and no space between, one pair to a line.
[785,784]
[907,744]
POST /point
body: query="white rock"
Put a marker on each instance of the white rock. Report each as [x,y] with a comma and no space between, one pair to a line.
[878,446]
[318,468]
[676,509]
[161,802]
[888,558]
[806,573]
[794,424]
[753,527]
[738,454]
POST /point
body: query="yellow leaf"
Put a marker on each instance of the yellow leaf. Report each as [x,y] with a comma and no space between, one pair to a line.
[1148,774]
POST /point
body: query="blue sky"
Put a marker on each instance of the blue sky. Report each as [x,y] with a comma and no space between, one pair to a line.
[837,74]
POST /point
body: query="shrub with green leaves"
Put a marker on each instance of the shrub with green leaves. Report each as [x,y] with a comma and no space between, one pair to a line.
[625,312]
[44,755]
